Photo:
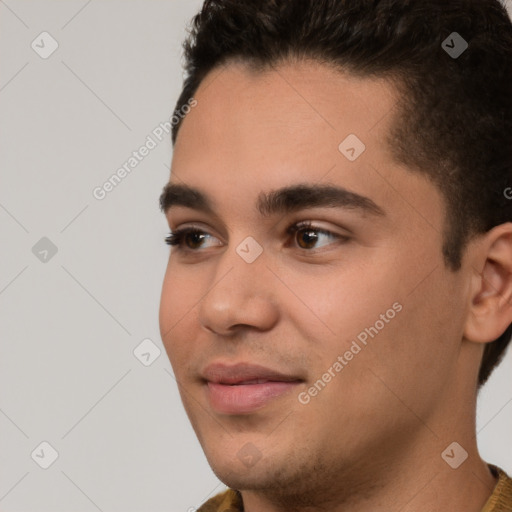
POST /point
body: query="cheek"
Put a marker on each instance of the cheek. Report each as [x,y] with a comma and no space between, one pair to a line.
[415,354]
[399,318]
[348,298]
[181,290]
[176,316]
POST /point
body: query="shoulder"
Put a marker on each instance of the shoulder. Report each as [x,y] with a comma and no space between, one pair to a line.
[501,498]
[226,501]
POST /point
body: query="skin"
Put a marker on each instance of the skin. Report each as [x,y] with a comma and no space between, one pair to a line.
[372,439]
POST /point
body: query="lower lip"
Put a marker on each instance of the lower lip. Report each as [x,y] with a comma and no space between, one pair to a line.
[245,398]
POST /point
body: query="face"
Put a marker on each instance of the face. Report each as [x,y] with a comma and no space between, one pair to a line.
[357,311]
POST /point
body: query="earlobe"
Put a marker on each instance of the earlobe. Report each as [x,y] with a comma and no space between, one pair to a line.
[490,308]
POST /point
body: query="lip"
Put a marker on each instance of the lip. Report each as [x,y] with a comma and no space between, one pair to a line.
[242,372]
[243,388]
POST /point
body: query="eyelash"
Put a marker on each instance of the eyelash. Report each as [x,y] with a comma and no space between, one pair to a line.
[177,237]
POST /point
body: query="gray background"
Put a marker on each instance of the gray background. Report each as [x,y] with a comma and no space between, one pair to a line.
[70,324]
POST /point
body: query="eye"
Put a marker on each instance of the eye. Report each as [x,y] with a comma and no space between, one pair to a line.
[193,238]
[310,234]
[181,236]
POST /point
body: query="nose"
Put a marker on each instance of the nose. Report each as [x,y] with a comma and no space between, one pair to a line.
[241,295]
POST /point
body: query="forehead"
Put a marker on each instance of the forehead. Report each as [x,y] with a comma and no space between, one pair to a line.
[280,120]
[301,102]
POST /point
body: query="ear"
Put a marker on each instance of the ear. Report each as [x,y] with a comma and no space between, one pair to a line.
[490,308]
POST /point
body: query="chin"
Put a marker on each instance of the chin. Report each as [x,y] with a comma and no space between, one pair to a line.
[234,480]
[239,466]
[242,478]
[287,485]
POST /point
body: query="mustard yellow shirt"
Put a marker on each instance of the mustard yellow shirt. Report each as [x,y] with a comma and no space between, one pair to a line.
[499,501]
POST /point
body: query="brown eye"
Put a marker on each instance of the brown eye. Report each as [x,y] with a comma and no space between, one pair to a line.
[195,238]
[306,235]
[192,238]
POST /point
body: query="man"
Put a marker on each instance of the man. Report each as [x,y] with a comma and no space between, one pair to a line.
[340,279]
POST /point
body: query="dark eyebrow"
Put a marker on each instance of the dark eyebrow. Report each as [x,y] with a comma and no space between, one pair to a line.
[284,200]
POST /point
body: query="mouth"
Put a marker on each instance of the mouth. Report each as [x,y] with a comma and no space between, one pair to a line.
[245,388]
[247,382]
